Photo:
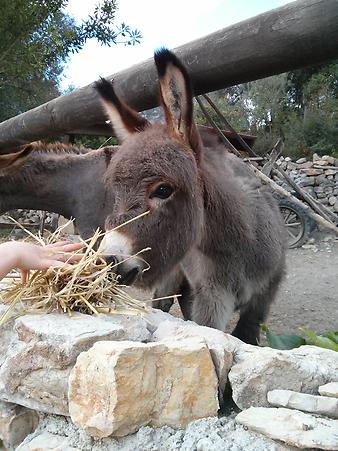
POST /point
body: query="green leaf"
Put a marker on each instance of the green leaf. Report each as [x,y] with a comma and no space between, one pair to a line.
[332,336]
[318,340]
[282,341]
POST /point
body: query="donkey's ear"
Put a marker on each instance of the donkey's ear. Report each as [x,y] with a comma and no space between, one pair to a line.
[177,98]
[124,119]
[10,161]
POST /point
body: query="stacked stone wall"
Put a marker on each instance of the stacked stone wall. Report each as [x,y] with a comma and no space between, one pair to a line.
[317,176]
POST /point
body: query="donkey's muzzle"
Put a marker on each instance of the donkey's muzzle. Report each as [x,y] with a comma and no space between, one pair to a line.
[127,272]
[130,277]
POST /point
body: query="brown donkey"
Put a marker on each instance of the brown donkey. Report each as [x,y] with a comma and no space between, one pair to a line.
[215,233]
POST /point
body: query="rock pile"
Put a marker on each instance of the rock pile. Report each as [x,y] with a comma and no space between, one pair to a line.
[106,382]
[28,217]
[318,177]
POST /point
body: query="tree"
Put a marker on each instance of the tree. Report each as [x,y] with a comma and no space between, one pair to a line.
[36,38]
[230,102]
[301,106]
[312,123]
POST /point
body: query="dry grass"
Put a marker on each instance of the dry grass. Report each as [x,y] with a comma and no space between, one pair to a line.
[87,286]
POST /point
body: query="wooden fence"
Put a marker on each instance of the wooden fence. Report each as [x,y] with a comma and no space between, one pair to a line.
[301,33]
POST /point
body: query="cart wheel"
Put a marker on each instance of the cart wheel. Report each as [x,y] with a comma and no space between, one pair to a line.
[298,224]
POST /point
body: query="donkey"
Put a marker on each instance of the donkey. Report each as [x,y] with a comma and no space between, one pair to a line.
[61,178]
[57,178]
[215,233]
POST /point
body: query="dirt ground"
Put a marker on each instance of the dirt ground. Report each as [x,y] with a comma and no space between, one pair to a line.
[308,296]
[309,293]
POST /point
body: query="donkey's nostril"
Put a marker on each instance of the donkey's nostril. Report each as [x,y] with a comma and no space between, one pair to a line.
[110,259]
[128,278]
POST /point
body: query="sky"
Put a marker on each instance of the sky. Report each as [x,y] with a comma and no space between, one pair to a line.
[162,23]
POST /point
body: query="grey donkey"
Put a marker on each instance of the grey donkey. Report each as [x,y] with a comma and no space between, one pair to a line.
[215,232]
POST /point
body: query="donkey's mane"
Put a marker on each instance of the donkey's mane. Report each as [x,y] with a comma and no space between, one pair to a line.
[46,158]
[58,148]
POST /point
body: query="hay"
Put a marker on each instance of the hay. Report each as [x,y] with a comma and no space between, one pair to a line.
[87,286]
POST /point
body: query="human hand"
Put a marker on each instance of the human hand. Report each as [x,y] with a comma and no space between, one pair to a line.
[27,256]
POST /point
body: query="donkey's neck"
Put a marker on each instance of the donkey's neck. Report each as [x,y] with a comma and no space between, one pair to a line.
[225,200]
[71,185]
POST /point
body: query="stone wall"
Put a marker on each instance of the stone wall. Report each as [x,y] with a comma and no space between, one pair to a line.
[318,177]
[108,382]
[27,217]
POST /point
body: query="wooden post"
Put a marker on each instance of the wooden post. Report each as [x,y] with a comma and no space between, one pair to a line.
[230,127]
[301,33]
[213,124]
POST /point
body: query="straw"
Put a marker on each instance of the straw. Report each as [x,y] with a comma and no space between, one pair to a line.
[88,286]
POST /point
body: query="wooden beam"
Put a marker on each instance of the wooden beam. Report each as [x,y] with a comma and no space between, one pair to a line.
[241,143]
[301,33]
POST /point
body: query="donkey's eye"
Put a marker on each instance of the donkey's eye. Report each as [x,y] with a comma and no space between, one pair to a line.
[162,192]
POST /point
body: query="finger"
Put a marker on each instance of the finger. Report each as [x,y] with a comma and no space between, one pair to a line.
[24,275]
[59,244]
[64,256]
[74,258]
[55,264]
[72,247]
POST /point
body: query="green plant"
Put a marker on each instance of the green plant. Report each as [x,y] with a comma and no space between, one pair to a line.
[328,340]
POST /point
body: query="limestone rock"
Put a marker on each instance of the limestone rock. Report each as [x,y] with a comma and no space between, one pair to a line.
[117,387]
[304,165]
[331,171]
[308,181]
[330,389]
[16,422]
[47,442]
[320,405]
[291,165]
[292,427]
[321,162]
[312,171]
[155,317]
[329,159]
[335,207]
[35,365]
[221,345]
[259,371]
[207,434]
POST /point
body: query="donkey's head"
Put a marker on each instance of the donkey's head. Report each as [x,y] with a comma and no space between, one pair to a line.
[156,169]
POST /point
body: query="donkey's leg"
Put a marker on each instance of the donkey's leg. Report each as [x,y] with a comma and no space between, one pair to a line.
[212,306]
[186,299]
[181,287]
[169,287]
[255,313]
[163,304]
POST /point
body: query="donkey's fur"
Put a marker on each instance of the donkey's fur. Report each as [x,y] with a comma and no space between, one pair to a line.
[58,178]
[215,232]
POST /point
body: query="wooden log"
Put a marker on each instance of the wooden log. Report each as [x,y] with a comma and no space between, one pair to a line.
[301,33]
[227,124]
[278,189]
[220,133]
[320,209]
[274,154]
